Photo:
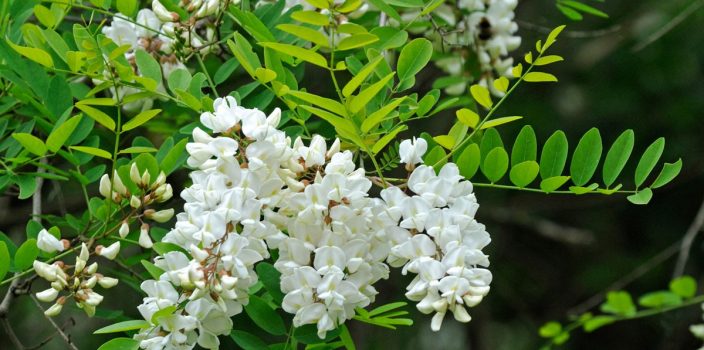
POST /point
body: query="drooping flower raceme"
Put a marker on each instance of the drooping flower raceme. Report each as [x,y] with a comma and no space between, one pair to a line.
[255,190]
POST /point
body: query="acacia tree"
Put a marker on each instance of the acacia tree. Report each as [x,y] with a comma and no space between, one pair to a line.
[288,118]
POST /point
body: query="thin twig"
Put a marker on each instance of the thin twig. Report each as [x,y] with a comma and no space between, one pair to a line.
[687,241]
[694,6]
[574,34]
[60,331]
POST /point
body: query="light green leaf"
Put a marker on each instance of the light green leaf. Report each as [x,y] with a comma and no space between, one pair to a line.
[94,151]
[659,299]
[357,41]
[298,52]
[619,303]
[684,286]
[551,184]
[468,117]
[360,77]
[311,17]
[481,95]
[649,160]
[545,60]
[44,16]
[597,322]
[668,173]
[123,326]
[357,103]
[98,115]
[413,57]
[4,260]
[120,344]
[140,119]
[305,33]
[31,143]
[468,161]
[495,164]
[552,37]
[445,141]
[522,174]
[148,66]
[152,269]
[58,137]
[586,157]
[241,49]
[550,330]
[37,55]
[539,77]
[525,147]
[641,197]
[101,101]
[132,150]
[127,7]
[579,190]
[377,117]
[617,156]
[390,136]
[584,8]
[501,84]
[319,101]
[499,121]
[26,254]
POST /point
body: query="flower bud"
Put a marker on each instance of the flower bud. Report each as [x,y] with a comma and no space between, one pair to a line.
[110,252]
[144,240]
[160,180]
[105,186]
[107,282]
[93,298]
[48,243]
[461,314]
[134,174]
[45,271]
[167,193]
[80,265]
[89,283]
[135,202]
[124,229]
[197,253]
[160,216]
[54,310]
[146,178]
[92,268]
[85,254]
[118,186]
[228,282]
[334,148]
[48,295]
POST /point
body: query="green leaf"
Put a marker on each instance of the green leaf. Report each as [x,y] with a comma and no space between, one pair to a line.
[298,52]
[586,157]
[551,184]
[481,95]
[617,156]
[684,286]
[346,338]
[4,260]
[152,269]
[499,121]
[60,135]
[140,119]
[123,327]
[248,341]
[44,16]
[668,173]
[31,143]
[435,157]
[94,151]
[26,254]
[360,77]
[120,344]
[148,66]
[37,55]
[311,17]
[162,313]
[584,8]
[98,115]
[357,41]
[641,197]
[468,161]
[413,57]
[138,149]
[467,117]
[539,77]
[362,99]
[550,330]
[495,164]
[179,79]
[242,51]
[659,299]
[384,7]
[583,189]
[490,140]
[171,160]
[271,278]
[165,247]
[377,117]
[597,322]
[264,316]
[28,185]
[619,303]
[525,147]
[522,174]
[344,127]
[127,7]
[649,160]
[554,155]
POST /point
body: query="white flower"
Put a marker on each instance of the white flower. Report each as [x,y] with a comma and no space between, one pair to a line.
[412,151]
[144,240]
[48,243]
[109,252]
[48,295]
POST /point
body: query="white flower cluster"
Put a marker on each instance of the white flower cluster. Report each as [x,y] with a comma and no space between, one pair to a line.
[254,190]
[444,242]
[198,30]
[488,27]
[79,283]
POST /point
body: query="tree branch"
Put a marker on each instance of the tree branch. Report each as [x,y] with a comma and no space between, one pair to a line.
[687,241]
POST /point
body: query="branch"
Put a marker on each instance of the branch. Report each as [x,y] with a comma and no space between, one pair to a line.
[687,241]
[60,331]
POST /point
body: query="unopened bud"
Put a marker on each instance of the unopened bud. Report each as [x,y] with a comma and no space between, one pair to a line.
[135,202]
[110,252]
[48,295]
[144,239]
[107,282]
[124,229]
[134,174]
[160,216]
[118,186]
[166,195]
[92,268]
[198,254]
[53,310]
[105,186]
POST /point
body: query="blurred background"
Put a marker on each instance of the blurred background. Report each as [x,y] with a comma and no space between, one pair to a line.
[552,256]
